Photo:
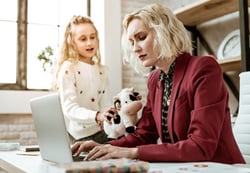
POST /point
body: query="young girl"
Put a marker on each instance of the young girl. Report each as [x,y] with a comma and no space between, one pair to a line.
[81,81]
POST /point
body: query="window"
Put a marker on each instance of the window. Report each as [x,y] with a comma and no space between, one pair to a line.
[31,27]
[8,41]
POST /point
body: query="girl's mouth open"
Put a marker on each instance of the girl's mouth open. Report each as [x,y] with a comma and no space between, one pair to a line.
[90,49]
[141,57]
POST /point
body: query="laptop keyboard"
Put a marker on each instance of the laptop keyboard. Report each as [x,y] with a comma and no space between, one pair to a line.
[80,157]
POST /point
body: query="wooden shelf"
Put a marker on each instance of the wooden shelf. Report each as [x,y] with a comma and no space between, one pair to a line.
[205,10]
[230,64]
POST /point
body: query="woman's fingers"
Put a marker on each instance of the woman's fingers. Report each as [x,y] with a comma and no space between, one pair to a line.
[108,151]
[81,146]
[99,152]
[75,147]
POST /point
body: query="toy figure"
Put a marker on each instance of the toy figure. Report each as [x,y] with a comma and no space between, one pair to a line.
[127,103]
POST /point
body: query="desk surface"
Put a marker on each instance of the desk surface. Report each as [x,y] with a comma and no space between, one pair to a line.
[31,162]
[18,162]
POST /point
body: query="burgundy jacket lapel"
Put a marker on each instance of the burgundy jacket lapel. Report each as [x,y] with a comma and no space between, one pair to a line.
[181,63]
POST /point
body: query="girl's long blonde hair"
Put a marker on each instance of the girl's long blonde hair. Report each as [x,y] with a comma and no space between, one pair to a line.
[171,37]
[68,51]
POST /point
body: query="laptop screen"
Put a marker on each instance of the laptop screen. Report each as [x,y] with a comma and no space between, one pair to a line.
[50,128]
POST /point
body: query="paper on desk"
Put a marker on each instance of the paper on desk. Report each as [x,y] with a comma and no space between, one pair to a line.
[23,153]
[9,146]
[199,167]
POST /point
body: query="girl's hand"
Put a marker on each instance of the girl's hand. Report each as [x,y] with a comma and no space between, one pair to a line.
[107,115]
[108,151]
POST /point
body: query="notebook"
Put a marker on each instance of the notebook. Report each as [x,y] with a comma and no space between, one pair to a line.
[52,136]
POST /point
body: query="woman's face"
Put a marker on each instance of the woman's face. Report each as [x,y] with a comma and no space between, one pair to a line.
[86,41]
[142,42]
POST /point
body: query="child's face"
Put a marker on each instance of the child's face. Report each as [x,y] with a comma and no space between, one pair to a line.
[86,41]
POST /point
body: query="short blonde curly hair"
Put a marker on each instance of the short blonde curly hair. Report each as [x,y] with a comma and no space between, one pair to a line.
[171,36]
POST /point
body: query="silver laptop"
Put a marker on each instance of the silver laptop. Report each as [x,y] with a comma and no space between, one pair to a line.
[53,139]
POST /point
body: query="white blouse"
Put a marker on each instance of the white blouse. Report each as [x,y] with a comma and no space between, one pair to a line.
[83,92]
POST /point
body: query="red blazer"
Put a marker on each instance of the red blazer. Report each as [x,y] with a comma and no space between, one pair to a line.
[198,119]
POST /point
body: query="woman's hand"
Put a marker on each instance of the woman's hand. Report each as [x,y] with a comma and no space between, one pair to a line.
[107,151]
[83,146]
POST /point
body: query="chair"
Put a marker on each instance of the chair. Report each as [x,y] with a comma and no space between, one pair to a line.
[241,127]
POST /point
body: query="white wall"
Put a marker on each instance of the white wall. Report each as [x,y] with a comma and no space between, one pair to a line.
[108,22]
[17,101]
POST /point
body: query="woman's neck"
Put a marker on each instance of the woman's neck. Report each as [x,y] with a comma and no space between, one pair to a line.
[165,63]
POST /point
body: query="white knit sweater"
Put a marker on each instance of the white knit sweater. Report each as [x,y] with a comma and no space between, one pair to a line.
[83,92]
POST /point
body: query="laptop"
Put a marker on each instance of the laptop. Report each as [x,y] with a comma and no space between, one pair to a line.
[54,143]
[52,136]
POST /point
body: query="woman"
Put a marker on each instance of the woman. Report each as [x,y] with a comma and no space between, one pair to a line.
[187,102]
[81,81]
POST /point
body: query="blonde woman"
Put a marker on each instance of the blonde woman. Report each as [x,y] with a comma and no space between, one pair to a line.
[81,81]
[187,102]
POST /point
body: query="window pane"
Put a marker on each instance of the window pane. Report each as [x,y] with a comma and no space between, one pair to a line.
[68,8]
[8,52]
[8,41]
[47,30]
[8,10]
[40,37]
[43,11]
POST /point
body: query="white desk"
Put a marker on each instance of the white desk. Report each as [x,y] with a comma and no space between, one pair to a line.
[13,162]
